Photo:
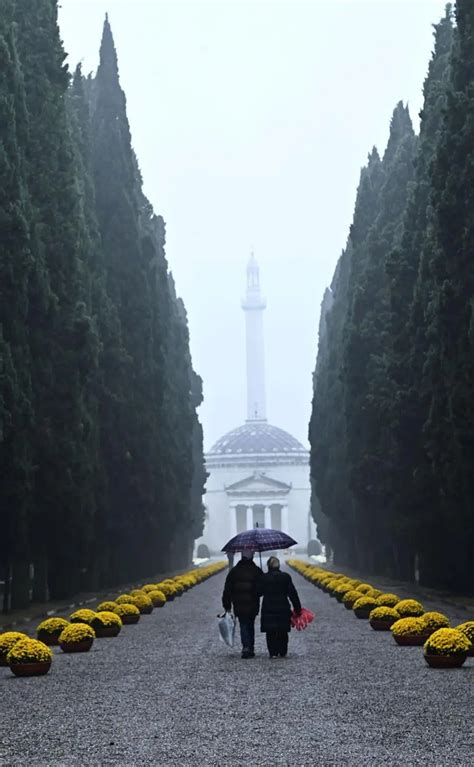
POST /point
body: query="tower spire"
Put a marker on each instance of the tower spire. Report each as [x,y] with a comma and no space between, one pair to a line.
[253,306]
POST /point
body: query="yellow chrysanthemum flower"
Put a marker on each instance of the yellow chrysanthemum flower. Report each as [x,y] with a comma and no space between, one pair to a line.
[384,613]
[387,600]
[29,651]
[434,621]
[409,627]
[83,616]
[447,642]
[468,630]
[76,632]
[409,608]
[7,641]
[106,607]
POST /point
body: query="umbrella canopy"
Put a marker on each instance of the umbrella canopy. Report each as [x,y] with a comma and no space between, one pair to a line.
[259,539]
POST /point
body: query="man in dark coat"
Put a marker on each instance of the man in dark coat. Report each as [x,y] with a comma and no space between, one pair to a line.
[241,592]
[277,588]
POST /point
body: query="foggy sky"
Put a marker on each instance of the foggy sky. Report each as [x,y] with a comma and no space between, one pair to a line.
[251,121]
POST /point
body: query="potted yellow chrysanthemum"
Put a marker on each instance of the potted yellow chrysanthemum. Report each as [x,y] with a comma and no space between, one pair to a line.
[106,624]
[157,597]
[434,621]
[387,600]
[107,606]
[7,640]
[467,629]
[77,637]
[364,606]
[29,657]
[128,613]
[82,616]
[446,648]
[409,608]
[365,588]
[409,631]
[349,598]
[382,618]
[49,630]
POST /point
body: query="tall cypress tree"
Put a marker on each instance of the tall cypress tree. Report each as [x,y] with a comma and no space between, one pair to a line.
[332,501]
[129,280]
[448,372]
[59,323]
[409,295]
[148,427]
[367,388]
[15,367]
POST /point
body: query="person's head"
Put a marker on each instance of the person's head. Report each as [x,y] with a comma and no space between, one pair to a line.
[247,554]
[273,564]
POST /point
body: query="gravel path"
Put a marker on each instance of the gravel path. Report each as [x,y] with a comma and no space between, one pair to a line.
[166,692]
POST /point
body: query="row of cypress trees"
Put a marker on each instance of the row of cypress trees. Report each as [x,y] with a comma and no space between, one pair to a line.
[392,426]
[101,456]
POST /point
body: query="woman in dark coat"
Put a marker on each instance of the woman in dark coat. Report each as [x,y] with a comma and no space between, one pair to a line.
[277,588]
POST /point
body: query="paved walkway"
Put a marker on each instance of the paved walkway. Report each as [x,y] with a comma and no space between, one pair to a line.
[166,692]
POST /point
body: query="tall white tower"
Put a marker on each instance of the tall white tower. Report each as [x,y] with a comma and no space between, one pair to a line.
[253,306]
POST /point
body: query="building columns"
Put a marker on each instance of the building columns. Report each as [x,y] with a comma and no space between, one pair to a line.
[284,519]
[249,517]
[233,521]
[268,516]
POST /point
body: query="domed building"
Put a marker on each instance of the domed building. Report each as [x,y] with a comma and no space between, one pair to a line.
[258,473]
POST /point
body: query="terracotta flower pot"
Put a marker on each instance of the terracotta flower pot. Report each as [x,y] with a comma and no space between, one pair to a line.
[83,646]
[38,668]
[347,606]
[50,638]
[363,612]
[382,625]
[103,632]
[146,610]
[130,620]
[446,661]
[411,640]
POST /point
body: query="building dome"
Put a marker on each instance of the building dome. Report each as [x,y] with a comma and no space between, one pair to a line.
[257,438]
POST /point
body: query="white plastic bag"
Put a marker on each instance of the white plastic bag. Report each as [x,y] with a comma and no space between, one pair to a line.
[227,629]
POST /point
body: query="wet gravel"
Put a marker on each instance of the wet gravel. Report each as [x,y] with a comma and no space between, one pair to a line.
[166,692]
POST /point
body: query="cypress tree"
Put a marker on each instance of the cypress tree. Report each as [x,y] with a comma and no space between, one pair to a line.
[448,371]
[368,392]
[128,430]
[61,334]
[15,378]
[409,294]
[148,427]
[332,501]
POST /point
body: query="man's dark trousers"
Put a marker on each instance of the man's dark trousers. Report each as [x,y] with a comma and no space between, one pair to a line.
[247,633]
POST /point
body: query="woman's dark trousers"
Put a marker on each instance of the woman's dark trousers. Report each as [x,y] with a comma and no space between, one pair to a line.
[277,642]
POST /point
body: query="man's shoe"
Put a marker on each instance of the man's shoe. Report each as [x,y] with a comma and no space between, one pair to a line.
[246,654]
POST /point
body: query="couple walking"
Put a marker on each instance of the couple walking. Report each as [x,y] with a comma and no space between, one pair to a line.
[244,586]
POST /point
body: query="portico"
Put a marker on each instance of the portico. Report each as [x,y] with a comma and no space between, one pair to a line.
[258,500]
